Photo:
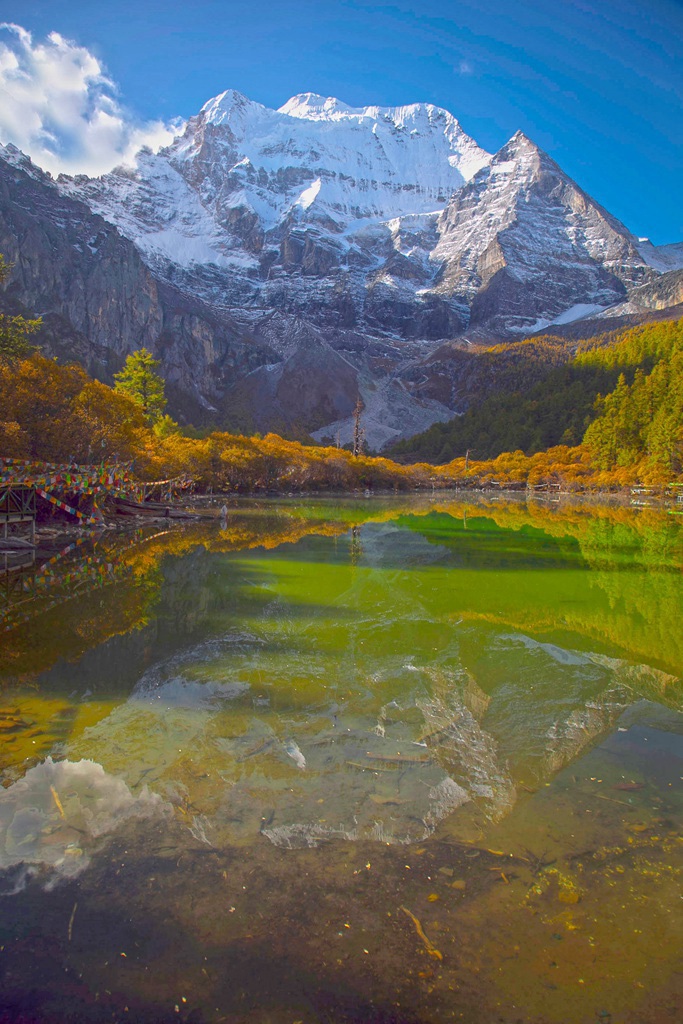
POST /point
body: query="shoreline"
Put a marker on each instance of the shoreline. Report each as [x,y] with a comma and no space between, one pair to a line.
[53,537]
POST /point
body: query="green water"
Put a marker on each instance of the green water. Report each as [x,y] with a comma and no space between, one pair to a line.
[347,761]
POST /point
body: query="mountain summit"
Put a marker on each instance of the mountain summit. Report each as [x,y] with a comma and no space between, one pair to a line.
[523,244]
[356,240]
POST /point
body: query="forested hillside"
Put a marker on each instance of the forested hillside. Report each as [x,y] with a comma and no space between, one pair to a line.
[643,419]
[639,372]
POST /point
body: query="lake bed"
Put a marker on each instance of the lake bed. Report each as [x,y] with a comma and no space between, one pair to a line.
[343,760]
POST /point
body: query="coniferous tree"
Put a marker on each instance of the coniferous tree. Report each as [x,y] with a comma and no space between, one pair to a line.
[140,381]
[14,330]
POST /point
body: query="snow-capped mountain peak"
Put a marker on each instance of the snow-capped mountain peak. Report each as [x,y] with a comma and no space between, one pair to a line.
[311,107]
[385,204]
[522,236]
[229,106]
[412,124]
[520,157]
[241,173]
[519,142]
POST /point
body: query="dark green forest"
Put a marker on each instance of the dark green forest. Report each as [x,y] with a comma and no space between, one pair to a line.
[620,393]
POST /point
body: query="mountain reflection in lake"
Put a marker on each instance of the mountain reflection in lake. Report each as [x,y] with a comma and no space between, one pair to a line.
[347,761]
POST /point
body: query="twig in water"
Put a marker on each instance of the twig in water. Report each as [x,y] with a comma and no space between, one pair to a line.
[58,802]
[431,949]
[71,922]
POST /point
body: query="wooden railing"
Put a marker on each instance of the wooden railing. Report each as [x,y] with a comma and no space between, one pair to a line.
[17,503]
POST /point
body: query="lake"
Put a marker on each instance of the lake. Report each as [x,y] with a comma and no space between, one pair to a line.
[336,760]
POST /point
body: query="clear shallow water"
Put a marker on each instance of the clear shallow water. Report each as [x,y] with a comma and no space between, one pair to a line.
[281,765]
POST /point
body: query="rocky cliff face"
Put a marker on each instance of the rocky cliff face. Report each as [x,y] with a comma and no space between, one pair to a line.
[256,369]
[663,293]
[74,268]
[282,262]
[100,301]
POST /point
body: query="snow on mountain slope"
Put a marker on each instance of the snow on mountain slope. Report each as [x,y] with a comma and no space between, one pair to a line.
[240,171]
[521,242]
[663,258]
[385,219]
[423,121]
[323,159]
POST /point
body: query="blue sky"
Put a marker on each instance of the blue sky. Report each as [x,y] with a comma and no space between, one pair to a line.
[597,83]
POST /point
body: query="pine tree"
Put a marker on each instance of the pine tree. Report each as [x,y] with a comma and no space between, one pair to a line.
[14,330]
[139,380]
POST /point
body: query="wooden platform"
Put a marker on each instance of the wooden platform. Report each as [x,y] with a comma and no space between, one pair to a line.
[17,505]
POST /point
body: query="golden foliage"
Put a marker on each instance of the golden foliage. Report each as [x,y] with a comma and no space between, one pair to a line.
[58,413]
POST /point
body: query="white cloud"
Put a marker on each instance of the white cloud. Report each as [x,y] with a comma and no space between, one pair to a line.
[465,68]
[58,106]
